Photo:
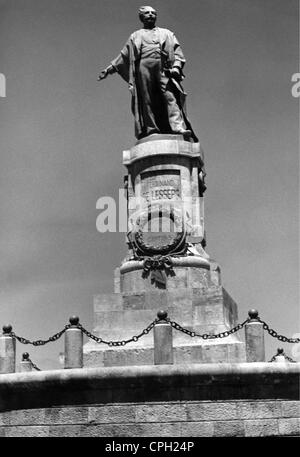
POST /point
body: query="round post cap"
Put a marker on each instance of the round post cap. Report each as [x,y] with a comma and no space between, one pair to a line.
[253,314]
[74,320]
[25,357]
[7,329]
[162,315]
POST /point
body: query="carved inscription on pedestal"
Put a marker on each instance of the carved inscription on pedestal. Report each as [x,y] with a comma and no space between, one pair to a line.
[161,185]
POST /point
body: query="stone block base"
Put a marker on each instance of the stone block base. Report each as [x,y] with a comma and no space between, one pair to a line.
[195,301]
[230,352]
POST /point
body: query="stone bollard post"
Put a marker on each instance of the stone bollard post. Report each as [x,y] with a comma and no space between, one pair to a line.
[74,345]
[279,357]
[25,364]
[7,351]
[163,340]
[254,338]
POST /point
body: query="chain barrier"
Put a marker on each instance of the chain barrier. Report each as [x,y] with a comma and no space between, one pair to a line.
[118,343]
[41,342]
[207,336]
[174,324]
[273,333]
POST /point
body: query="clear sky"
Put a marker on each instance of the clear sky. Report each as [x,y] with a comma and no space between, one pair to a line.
[62,134]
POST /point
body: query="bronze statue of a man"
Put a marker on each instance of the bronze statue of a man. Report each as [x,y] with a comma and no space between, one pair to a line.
[151,62]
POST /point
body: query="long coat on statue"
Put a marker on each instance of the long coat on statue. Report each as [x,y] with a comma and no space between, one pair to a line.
[128,64]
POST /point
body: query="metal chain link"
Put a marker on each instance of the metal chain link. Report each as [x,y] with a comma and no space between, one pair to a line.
[135,338]
[34,365]
[207,336]
[41,342]
[273,333]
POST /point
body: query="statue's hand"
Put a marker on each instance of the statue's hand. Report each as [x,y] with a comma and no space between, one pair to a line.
[108,71]
[103,75]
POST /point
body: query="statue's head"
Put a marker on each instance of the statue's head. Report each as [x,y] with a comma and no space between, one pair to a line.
[147,15]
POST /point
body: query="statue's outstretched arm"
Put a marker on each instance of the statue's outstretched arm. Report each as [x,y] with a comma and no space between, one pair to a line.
[120,64]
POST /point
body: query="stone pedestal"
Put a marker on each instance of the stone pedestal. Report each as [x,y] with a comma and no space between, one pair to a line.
[166,267]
